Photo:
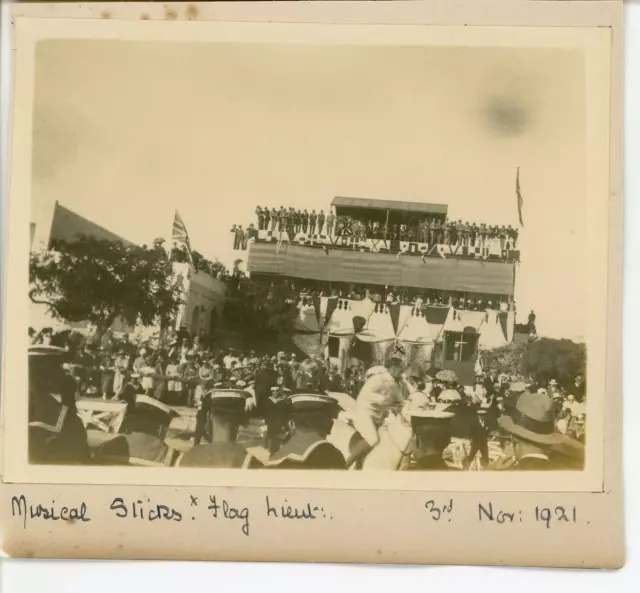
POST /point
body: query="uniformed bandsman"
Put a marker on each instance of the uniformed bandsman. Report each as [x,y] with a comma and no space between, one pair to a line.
[432,435]
[141,442]
[227,413]
[312,416]
[56,433]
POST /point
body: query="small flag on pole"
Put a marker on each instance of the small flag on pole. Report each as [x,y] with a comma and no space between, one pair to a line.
[519,197]
[181,237]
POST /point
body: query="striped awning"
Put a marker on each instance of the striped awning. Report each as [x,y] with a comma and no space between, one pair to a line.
[341,265]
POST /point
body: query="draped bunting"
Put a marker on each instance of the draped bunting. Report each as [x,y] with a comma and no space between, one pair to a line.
[340,265]
[395,330]
[503,317]
[332,303]
[436,314]
[394,312]
[306,320]
[418,353]
[490,333]
[317,304]
[359,323]
[492,248]
[380,325]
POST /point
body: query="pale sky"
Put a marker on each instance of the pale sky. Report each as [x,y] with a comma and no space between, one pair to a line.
[126,132]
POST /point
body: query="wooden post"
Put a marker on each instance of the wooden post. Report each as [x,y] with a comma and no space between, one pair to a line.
[386,225]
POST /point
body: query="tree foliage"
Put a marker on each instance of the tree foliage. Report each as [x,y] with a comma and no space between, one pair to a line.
[555,359]
[542,359]
[200,262]
[260,309]
[100,281]
[506,359]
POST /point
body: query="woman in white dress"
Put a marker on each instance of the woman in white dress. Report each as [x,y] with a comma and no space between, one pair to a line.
[121,367]
[174,386]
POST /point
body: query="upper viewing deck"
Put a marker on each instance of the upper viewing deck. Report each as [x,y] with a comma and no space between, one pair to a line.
[414,245]
[383,226]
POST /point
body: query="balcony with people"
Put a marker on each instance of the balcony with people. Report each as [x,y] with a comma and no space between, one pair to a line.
[382,226]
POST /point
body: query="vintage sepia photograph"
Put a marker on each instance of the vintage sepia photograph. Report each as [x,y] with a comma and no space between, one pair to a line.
[317,256]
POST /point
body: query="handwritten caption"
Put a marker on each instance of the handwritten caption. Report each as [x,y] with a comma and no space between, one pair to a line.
[197,508]
[490,513]
[216,508]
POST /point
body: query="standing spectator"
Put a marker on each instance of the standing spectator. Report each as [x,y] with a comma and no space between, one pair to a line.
[274,219]
[251,233]
[290,221]
[174,384]
[321,218]
[482,236]
[579,388]
[267,218]
[140,361]
[238,237]
[455,233]
[466,233]
[234,232]
[106,341]
[330,221]
[107,370]
[446,233]
[473,234]
[189,372]
[160,385]
[242,244]
[430,231]
[479,437]
[305,221]
[313,217]
[297,221]
[503,237]
[532,324]
[121,368]
[205,374]
[285,221]
[259,217]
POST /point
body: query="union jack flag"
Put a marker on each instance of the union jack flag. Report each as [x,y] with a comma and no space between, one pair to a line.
[181,237]
[519,197]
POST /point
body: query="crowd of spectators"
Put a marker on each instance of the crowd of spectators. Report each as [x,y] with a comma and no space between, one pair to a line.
[189,372]
[306,291]
[431,230]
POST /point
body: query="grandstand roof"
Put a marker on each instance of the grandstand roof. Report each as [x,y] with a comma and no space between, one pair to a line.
[422,207]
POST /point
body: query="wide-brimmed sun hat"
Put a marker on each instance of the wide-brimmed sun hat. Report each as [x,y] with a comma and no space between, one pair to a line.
[447,376]
[449,396]
[532,419]
[517,387]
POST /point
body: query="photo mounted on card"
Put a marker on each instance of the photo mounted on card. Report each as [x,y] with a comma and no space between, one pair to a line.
[376,255]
